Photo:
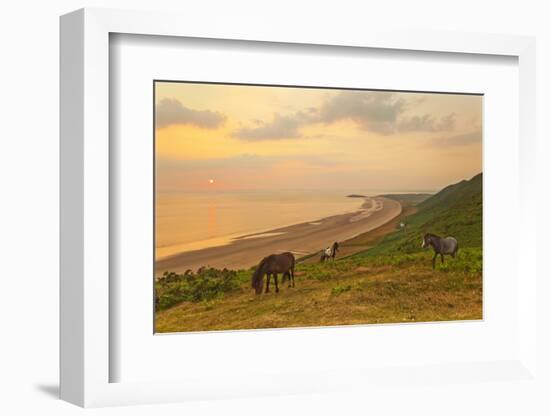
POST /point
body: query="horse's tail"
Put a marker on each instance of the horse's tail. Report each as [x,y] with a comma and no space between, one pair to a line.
[290,271]
[258,277]
[289,274]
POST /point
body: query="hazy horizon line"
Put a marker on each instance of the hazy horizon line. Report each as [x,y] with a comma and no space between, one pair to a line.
[346,191]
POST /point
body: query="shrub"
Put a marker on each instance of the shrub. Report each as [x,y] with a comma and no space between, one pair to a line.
[206,284]
[340,289]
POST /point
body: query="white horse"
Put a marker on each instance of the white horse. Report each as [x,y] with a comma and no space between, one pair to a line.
[330,252]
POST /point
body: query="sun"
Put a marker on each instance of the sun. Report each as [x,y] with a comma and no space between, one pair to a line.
[211,181]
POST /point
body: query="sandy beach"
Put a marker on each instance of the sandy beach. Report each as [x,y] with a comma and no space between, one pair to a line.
[301,239]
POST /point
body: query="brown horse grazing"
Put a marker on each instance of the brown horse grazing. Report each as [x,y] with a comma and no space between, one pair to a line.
[271,266]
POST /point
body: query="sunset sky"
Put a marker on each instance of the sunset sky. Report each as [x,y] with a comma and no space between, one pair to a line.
[228,137]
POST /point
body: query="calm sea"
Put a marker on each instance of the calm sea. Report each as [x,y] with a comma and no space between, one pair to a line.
[191,221]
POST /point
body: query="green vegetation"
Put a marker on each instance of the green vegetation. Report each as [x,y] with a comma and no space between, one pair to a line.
[454,211]
[392,281]
[354,290]
[469,261]
[206,284]
[407,200]
[340,289]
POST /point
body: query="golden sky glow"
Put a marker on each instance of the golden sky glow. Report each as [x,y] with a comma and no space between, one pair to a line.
[231,137]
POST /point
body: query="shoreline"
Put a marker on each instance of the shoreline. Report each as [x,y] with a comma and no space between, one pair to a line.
[301,239]
[230,238]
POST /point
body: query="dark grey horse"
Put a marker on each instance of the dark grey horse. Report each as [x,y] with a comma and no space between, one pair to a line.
[441,246]
[271,266]
[330,252]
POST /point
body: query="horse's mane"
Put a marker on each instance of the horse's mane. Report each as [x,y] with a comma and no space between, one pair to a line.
[258,276]
[431,235]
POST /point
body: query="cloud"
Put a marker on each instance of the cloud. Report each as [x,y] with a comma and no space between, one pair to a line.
[280,127]
[171,112]
[427,123]
[372,111]
[382,112]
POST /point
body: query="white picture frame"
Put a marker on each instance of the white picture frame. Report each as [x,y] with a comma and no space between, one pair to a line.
[85,220]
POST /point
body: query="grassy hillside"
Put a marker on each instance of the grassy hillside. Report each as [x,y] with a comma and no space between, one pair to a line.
[408,200]
[454,211]
[354,290]
[390,281]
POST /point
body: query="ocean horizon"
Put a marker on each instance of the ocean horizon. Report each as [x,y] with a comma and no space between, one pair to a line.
[187,221]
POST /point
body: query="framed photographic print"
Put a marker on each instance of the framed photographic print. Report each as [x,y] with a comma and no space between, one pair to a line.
[342,200]
[277,197]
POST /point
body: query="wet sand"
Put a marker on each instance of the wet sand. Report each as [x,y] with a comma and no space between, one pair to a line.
[301,239]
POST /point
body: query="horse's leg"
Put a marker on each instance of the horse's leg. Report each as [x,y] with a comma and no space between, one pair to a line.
[268,276]
[293,280]
[442,258]
[433,260]
[276,285]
